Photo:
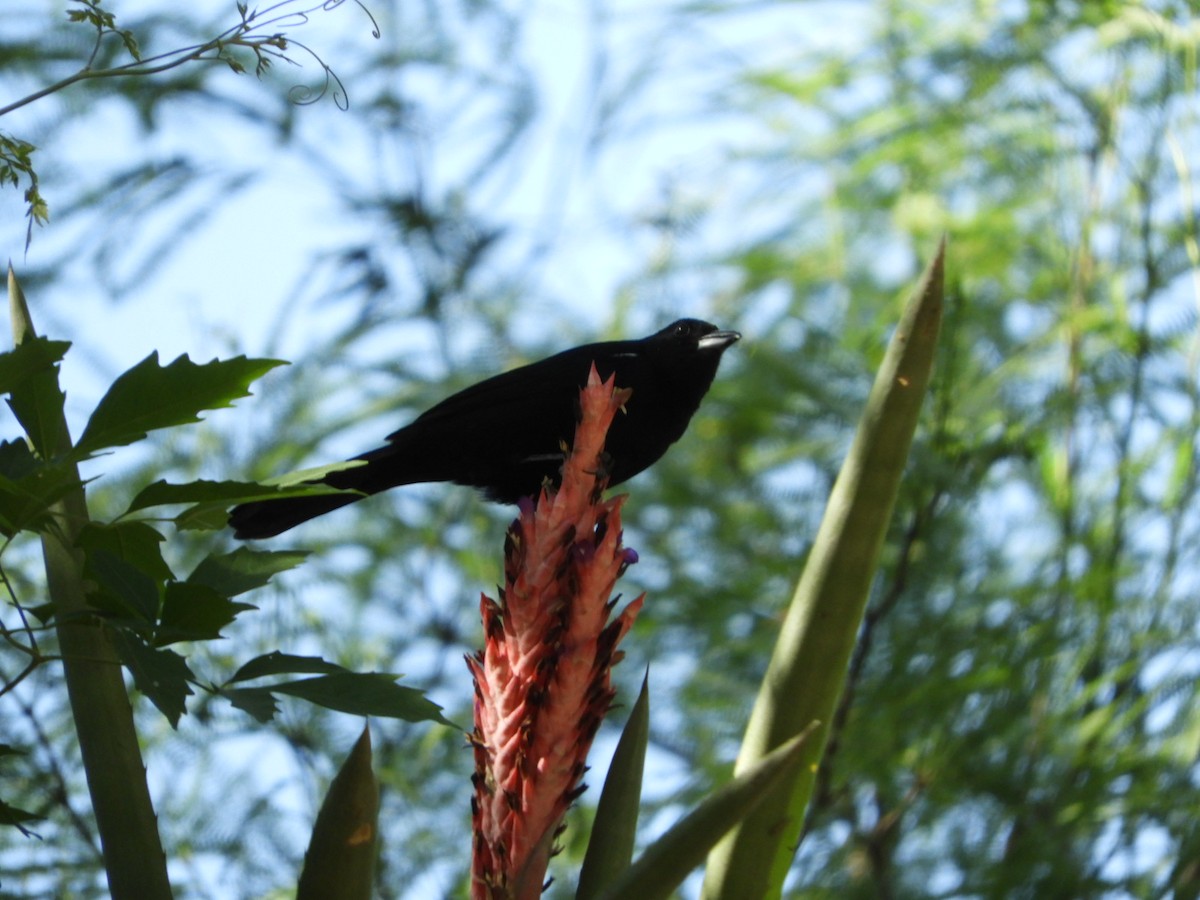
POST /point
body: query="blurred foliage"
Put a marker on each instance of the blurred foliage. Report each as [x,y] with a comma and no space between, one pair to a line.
[1020,720]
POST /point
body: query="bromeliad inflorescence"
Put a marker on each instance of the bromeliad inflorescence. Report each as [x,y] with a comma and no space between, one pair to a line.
[542,680]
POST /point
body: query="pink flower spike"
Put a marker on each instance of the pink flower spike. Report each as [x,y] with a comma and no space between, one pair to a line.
[542,680]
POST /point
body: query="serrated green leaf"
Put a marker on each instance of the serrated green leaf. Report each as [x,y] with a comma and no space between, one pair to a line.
[161,675]
[364,694]
[163,493]
[258,702]
[244,569]
[137,543]
[614,829]
[34,395]
[131,44]
[203,517]
[122,588]
[340,860]
[211,512]
[194,612]
[25,499]
[16,460]
[150,396]
[369,694]
[33,356]
[305,482]
[212,499]
[277,663]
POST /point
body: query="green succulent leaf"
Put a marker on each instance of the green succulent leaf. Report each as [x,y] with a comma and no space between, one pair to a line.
[614,830]
[340,860]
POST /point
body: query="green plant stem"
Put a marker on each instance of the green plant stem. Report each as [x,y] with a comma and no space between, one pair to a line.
[108,744]
[193,53]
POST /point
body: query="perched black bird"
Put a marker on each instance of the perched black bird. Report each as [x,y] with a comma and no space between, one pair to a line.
[505,435]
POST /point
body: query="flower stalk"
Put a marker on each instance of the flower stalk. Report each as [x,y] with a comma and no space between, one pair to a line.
[542,680]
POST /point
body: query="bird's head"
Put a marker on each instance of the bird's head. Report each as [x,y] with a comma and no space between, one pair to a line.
[687,353]
[692,336]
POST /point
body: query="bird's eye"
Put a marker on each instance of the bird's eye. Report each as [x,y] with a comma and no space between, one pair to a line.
[681,328]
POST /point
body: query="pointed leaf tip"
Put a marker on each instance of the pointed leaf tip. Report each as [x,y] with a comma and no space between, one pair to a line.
[664,865]
[340,861]
[610,848]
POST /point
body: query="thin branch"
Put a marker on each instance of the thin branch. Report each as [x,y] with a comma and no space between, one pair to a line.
[62,788]
[248,34]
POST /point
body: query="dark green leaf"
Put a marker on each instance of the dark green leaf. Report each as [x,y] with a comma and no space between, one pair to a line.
[151,396]
[122,588]
[368,694]
[304,482]
[283,664]
[29,487]
[124,562]
[163,493]
[194,612]
[340,860]
[212,499]
[614,829]
[131,44]
[664,865]
[162,675]
[31,381]
[135,542]
[16,460]
[243,569]
[807,671]
[34,356]
[258,702]
[203,517]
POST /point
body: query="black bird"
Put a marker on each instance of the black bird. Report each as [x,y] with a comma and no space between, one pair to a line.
[505,435]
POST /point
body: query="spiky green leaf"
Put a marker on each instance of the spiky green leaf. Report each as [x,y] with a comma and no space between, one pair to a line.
[150,396]
[244,569]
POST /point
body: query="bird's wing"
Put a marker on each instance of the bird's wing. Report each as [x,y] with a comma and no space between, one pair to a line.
[548,384]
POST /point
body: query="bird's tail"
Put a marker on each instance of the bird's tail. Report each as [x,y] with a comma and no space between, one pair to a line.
[399,462]
[267,518]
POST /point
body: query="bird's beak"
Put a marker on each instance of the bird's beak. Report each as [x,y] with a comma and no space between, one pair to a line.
[718,340]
